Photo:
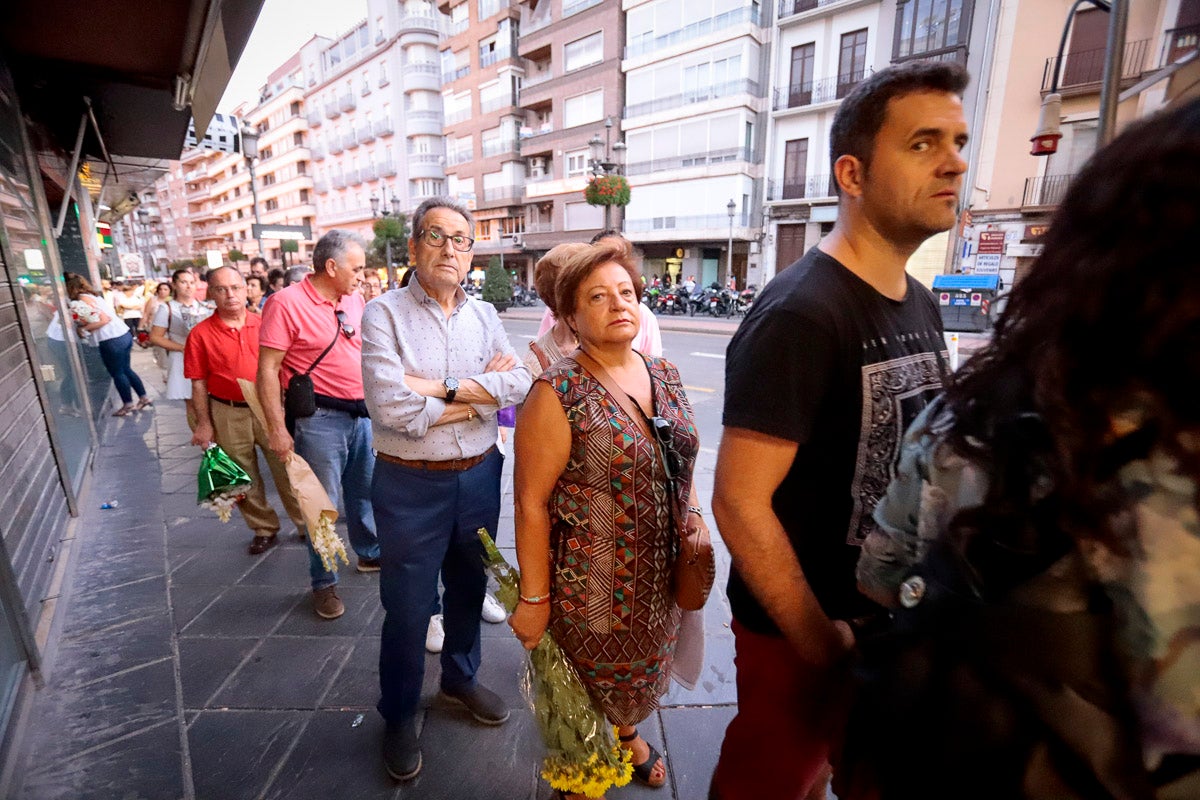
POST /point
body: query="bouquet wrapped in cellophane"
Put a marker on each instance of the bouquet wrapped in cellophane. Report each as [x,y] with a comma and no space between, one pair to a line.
[582,752]
[221,482]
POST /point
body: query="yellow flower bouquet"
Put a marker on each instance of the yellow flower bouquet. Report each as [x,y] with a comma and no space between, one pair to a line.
[582,752]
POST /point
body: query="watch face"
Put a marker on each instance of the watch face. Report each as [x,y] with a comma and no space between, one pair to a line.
[451,384]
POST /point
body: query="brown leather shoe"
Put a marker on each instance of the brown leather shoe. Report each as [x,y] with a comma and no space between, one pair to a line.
[261,544]
[367,564]
[327,604]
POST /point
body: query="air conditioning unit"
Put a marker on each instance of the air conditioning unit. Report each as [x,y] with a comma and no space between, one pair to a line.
[537,166]
[516,239]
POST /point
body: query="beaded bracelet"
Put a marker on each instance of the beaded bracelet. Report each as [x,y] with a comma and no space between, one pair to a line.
[696,510]
[537,600]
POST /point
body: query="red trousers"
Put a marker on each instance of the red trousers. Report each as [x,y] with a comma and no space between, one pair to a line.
[777,746]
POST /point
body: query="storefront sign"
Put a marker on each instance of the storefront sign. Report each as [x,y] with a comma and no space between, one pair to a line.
[988,263]
[991,242]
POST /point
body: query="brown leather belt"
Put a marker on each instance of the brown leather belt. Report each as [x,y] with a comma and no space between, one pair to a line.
[453,465]
[234,403]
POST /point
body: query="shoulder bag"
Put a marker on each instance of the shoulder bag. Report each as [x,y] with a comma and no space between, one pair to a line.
[299,398]
[695,567]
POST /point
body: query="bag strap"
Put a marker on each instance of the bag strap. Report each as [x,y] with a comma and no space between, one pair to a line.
[623,399]
[325,352]
[540,354]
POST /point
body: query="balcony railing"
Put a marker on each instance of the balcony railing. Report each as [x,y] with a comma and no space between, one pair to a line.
[1178,42]
[424,115]
[1048,190]
[810,187]
[384,127]
[365,134]
[421,22]
[698,95]
[507,101]
[498,193]
[321,187]
[789,7]
[335,145]
[648,43]
[369,173]
[347,102]
[318,153]
[537,24]
[387,169]
[575,6]
[353,177]
[528,132]
[1087,67]
[458,27]
[459,157]
[455,117]
[349,140]
[338,181]
[686,161]
[539,227]
[534,78]
[314,118]
[332,111]
[425,158]
[799,95]
[461,72]
[706,222]
[487,59]
[495,147]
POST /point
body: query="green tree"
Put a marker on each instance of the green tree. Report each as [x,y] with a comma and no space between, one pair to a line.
[236,255]
[288,246]
[393,229]
[497,285]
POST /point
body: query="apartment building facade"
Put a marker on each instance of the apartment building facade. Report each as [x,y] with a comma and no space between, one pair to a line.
[481,75]
[696,78]
[374,105]
[573,95]
[1012,193]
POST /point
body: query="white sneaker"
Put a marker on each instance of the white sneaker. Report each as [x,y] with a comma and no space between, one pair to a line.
[492,611]
[435,637]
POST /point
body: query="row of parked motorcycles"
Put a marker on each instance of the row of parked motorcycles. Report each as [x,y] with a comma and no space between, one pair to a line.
[713,300]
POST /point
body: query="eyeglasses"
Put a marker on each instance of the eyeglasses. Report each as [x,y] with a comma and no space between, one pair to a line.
[436,238]
[227,289]
[665,434]
[347,328]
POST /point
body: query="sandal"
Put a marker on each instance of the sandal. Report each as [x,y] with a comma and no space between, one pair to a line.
[125,411]
[644,771]
[145,402]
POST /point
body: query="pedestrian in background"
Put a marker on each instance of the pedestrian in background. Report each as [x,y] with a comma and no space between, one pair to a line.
[130,304]
[295,275]
[372,286]
[160,295]
[837,354]
[255,293]
[173,321]
[274,281]
[558,340]
[314,327]
[97,322]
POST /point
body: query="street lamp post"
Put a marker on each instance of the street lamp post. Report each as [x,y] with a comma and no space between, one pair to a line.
[391,208]
[731,207]
[250,152]
[606,160]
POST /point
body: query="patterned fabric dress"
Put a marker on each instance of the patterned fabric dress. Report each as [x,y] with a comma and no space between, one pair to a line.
[612,608]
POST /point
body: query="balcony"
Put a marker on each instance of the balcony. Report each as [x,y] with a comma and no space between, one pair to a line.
[459,157]
[534,77]
[318,153]
[420,22]
[1046,191]
[539,227]
[492,104]
[332,111]
[314,118]
[699,95]
[705,222]
[353,177]
[365,134]
[1083,71]
[335,145]
[647,43]
[425,166]
[423,122]
[338,182]
[487,59]
[422,76]
[321,187]
[1178,42]
[575,6]
[387,169]
[384,127]
[349,141]
[461,72]
[544,20]
[347,102]
[687,161]
[504,194]
[455,117]
[800,95]
[496,147]
[458,27]
[370,173]
[789,8]
[811,187]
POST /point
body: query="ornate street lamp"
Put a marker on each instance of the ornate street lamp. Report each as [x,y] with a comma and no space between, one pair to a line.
[606,159]
[731,207]
[250,152]
[390,208]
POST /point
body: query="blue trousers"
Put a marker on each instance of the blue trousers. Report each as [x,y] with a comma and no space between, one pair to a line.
[427,525]
[338,448]
[115,355]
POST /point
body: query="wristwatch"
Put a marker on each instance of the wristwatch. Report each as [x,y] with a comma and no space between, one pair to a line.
[451,385]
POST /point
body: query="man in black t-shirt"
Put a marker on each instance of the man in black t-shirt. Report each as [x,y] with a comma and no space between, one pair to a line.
[837,356]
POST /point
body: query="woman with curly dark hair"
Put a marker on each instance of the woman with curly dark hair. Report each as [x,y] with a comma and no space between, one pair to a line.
[1041,542]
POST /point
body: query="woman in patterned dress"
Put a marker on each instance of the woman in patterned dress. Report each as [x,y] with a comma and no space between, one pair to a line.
[598,529]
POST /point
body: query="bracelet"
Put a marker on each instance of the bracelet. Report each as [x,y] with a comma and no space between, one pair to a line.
[536,600]
[470,413]
[696,510]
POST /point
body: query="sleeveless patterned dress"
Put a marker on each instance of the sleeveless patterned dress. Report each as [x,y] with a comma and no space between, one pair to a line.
[613,611]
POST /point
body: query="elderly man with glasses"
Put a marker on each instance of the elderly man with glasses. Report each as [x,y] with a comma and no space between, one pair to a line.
[437,365]
[311,328]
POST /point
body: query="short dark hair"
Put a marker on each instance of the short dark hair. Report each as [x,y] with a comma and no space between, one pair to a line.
[607,233]
[276,274]
[259,279]
[448,203]
[860,116]
[260,261]
[582,264]
[175,275]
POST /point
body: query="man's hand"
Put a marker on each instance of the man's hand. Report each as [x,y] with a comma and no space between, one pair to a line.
[280,443]
[203,435]
[501,362]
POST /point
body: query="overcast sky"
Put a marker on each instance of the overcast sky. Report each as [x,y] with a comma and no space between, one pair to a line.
[282,27]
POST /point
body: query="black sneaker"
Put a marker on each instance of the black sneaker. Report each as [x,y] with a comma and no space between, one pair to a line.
[367,564]
[401,751]
[484,704]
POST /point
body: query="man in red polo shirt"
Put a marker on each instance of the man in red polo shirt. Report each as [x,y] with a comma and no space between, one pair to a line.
[219,350]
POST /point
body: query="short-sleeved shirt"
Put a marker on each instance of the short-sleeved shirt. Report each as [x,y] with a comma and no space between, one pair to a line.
[219,354]
[826,361]
[301,322]
[178,319]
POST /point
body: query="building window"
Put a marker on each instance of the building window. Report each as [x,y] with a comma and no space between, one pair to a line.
[268,179]
[304,195]
[577,163]
[295,108]
[584,108]
[582,217]
[927,26]
[383,78]
[584,52]
[801,87]
[298,139]
[264,154]
[488,8]
[272,204]
[852,61]
[795,166]
[301,167]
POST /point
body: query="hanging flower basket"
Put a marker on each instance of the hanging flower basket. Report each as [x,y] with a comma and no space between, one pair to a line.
[607,190]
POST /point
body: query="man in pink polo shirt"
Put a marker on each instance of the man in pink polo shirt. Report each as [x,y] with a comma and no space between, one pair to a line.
[313,327]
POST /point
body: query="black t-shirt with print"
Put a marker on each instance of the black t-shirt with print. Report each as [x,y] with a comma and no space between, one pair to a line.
[826,361]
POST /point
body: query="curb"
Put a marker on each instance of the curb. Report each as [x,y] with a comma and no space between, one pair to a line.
[668,322]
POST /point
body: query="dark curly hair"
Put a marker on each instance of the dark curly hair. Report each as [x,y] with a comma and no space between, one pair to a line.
[1096,360]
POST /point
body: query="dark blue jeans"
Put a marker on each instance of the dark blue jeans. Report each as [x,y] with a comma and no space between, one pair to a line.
[115,355]
[427,522]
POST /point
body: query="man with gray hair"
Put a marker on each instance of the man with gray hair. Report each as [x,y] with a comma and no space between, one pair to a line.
[311,328]
[437,365]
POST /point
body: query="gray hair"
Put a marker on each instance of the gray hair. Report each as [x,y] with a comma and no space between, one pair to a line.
[295,275]
[334,244]
[449,203]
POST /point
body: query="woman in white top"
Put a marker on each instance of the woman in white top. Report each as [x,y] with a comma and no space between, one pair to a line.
[173,321]
[129,303]
[162,293]
[95,319]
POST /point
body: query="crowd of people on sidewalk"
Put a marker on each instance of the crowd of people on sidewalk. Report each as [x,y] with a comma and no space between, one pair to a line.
[1002,602]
